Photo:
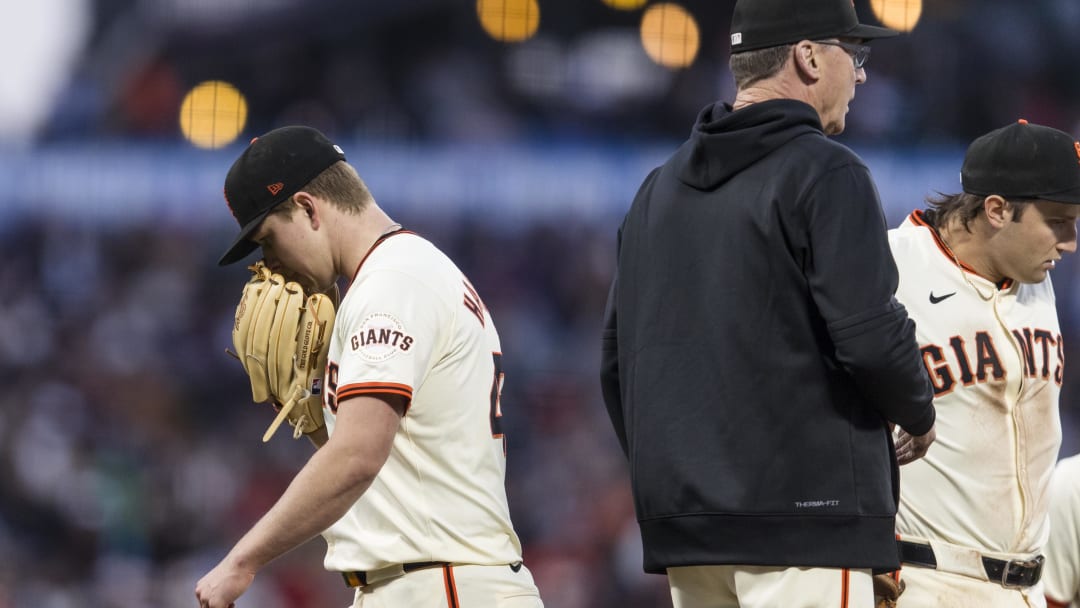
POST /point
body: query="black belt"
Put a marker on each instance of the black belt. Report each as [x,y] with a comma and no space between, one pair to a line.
[1010,573]
[360,579]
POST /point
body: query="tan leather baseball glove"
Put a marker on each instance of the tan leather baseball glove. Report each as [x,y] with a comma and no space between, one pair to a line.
[887,590]
[282,336]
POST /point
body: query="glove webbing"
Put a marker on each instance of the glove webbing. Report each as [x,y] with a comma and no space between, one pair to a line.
[297,394]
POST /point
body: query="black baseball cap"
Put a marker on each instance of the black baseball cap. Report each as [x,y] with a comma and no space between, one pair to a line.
[759,24]
[274,167]
[1024,160]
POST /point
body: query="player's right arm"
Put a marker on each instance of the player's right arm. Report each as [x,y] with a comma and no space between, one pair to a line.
[335,477]
[853,280]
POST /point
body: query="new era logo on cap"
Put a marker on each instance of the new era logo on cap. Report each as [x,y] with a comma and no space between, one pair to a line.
[274,167]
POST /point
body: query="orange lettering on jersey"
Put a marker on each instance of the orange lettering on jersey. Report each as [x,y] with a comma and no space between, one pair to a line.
[1027,350]
[1059,371]
[1046,339]
[473,302]
[941,377]
[1036,346]
[957,344]
[987,357]
[383,336]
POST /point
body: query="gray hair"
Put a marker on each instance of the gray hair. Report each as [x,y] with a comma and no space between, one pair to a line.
[752,66]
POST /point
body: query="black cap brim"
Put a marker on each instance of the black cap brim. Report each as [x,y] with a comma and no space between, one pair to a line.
[242,246]
[870,32]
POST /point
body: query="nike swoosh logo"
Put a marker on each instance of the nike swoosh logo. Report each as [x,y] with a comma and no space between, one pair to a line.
[935,299]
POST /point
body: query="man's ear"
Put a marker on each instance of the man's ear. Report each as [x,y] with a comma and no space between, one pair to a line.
[998,211]
[806,60]
[309,206]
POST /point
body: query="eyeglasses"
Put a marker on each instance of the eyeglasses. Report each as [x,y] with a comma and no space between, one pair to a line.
[860,53]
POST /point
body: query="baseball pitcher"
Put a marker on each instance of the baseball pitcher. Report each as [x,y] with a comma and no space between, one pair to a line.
[408,484]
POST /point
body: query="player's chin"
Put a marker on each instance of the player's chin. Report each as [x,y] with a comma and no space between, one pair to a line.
[1036,276]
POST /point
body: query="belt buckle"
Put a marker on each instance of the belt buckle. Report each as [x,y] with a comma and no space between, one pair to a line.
[1020,566]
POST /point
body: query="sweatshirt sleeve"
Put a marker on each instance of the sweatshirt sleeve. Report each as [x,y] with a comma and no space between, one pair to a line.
[609,364]
[853,279]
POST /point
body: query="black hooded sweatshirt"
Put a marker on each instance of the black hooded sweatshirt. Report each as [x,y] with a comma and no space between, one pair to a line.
[753,352]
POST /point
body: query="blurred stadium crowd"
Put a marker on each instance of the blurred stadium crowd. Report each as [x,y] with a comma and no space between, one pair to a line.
[129,450]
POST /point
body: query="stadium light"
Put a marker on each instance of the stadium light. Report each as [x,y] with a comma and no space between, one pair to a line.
[670,35]
[213,114]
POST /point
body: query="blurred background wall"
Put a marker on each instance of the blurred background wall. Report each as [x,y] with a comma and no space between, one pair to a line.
[512,133]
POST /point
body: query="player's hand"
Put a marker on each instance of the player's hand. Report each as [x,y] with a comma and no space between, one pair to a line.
[910,448]
[221,587]
[887,590]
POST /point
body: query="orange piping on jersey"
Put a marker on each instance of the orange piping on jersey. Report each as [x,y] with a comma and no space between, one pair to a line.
[365,388]
[375,388]
[1051,603]
[377,242]
[845,580]
[917,218]
[451,587]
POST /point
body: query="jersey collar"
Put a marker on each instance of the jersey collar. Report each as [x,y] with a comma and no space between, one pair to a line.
[918,218]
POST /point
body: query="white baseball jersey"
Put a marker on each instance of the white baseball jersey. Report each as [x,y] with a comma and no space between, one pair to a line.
[412,325]
[1061,574]
[995,358]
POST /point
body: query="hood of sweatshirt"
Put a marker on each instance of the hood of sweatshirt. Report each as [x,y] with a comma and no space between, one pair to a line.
[724,142]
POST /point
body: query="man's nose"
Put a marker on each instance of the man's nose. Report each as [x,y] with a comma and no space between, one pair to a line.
[1068,244]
